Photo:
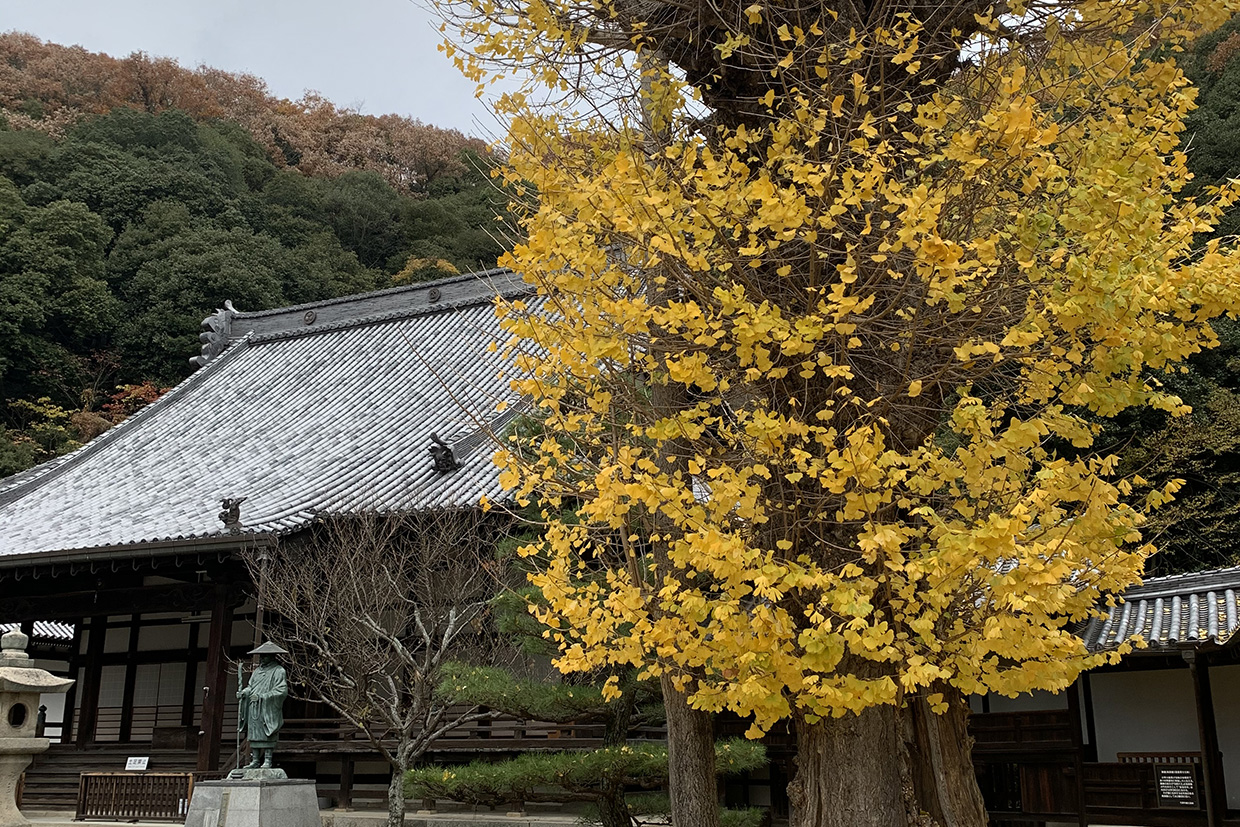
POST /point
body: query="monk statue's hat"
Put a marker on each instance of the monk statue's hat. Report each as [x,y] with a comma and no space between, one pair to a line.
[269,648]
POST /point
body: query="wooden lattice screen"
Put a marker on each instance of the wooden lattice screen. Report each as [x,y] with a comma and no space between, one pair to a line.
[152,796]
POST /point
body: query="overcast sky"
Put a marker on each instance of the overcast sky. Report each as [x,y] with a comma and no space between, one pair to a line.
[378,56]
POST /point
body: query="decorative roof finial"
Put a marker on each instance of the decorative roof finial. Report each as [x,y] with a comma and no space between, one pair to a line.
[231,515]
[216,329]
[441,455]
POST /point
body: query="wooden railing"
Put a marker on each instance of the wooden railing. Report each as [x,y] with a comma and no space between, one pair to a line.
[1049,789]
[1130,783]
[143,720]
[495,734]
[153,796]
[1159,757]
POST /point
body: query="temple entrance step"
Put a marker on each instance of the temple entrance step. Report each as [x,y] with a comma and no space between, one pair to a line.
[52,780]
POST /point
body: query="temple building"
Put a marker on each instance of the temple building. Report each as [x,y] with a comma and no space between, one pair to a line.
[124,562]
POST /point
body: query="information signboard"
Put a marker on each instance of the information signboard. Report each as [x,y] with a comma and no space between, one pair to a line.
[1176,785]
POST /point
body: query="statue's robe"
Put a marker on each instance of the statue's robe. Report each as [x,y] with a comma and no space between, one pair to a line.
[262,706]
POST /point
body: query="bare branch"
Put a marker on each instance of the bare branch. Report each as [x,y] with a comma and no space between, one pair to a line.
[371,607]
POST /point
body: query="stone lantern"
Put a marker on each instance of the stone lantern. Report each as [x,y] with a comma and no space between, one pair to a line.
[21,684]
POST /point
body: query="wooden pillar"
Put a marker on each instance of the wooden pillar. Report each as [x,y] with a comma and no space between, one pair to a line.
[260,599]
[131,680]
[1211,761]
[75,660]
[191,689]
[1078,759]
[211,731]
[1091,728]
[346,783]
[91,679]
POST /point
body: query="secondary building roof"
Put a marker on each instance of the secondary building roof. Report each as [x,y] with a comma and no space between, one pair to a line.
[1182,611]
[51,630]
[325,407]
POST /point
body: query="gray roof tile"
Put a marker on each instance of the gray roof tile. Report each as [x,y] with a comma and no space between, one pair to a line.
[46,629]
[300,417]
[1175,612]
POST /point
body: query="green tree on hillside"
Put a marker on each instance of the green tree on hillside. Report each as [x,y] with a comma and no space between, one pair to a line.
[54,300]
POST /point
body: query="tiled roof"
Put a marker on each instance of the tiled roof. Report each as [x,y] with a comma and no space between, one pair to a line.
[1180,611]
[326,407]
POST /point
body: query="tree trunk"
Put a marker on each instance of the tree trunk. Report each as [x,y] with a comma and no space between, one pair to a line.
[848,772]
[886,767]
[940,762]
[690,761]
[620,714]
[396,797]
[613,811]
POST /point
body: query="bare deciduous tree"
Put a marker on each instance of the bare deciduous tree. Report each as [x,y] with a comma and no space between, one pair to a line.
[370,608]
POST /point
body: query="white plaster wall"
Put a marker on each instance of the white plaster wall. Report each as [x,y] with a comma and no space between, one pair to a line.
[1150,711]
[116,640]
[163,638]
[1027,702]
[55,703]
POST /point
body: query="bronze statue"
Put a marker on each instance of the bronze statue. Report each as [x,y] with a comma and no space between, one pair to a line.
[260,713]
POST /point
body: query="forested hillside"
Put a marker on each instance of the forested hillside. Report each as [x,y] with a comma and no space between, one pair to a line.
[136,196]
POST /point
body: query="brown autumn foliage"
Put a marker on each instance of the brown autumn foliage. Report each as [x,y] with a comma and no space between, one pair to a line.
[1223,54]
[48,87]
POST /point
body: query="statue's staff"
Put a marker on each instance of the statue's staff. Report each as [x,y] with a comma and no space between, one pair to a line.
[240,711]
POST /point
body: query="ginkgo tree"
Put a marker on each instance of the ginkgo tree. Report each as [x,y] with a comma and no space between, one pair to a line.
[832,298]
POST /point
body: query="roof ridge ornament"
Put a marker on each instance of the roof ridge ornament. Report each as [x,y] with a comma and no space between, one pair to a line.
[442,456]
[216,329]
[231,515]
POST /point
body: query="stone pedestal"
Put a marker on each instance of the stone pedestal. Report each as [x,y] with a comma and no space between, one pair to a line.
[258,774]
[12,764]
[21,687]
[237,802]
